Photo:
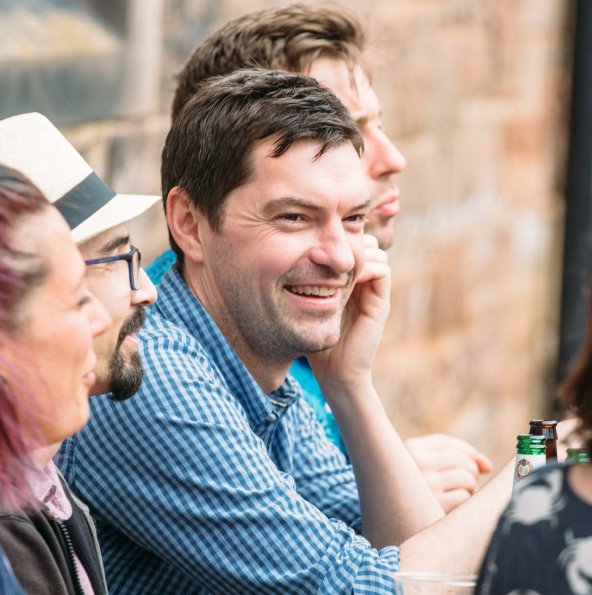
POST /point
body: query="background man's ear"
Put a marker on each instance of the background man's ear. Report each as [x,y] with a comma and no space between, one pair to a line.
[184,223]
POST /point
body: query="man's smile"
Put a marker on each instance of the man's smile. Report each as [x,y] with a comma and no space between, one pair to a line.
[315,290]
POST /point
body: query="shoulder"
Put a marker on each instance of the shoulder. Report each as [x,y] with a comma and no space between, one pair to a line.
[181,385]
[18,527]
[159,329]
[539,499]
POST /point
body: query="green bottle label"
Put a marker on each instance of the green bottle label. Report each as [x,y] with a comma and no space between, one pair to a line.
[530,456]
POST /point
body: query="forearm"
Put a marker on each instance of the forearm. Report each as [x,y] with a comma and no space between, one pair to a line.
[457,543]
[396,501]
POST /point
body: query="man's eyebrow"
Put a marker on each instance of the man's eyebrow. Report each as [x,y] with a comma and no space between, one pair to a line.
[362,118]
[365,205]
[114,244]
[289,201]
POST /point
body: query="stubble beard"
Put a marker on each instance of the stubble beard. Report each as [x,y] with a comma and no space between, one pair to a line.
[272,331]
[382,229]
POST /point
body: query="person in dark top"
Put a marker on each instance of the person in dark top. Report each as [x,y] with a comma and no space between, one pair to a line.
[543,542]
[48,320]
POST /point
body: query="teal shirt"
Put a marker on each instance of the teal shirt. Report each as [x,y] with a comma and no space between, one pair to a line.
[312,394]
[300,369]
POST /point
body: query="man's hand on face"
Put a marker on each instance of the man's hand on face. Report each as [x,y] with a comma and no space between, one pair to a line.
[450,466]
[349,362]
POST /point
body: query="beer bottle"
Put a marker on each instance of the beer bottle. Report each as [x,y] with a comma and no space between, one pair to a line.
[578,455]
[548,429]
[550,434]
[530,456]
[536,427]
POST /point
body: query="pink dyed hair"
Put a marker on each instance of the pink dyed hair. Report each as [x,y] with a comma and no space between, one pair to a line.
[19,197]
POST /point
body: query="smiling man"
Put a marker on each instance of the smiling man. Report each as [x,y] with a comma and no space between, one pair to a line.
[328,43]
[217,478]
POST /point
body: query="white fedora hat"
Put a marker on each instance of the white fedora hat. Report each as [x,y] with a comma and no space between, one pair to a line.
[31,144]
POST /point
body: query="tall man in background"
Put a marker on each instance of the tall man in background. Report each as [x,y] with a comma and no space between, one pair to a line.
[328,44]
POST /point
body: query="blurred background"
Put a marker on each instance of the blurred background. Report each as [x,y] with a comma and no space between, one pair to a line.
[488,100]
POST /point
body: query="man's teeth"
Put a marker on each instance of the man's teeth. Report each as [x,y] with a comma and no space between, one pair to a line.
[310,290]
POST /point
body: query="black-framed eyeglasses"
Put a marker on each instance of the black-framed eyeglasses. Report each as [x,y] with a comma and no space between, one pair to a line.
[132,258]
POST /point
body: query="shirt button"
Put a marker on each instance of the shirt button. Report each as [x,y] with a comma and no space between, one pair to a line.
[271,417]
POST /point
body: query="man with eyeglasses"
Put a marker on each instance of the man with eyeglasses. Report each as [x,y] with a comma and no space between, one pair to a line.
[118,281]
[97,216]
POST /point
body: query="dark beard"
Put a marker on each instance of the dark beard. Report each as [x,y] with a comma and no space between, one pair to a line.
[125,377]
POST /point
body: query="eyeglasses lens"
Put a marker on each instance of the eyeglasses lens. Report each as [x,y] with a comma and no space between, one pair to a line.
[136,269]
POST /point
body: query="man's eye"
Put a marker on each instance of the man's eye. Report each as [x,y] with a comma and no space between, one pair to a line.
[356,219]
[84,300]
[291,217]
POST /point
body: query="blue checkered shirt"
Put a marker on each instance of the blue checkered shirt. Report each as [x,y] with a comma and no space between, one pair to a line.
[202,483]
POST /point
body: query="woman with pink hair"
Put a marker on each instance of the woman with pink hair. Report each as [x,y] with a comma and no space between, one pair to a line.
[48,320]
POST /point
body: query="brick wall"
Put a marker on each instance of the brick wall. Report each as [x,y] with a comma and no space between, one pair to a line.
[476,94]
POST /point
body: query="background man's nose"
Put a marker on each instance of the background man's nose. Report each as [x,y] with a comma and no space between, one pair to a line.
[383,157]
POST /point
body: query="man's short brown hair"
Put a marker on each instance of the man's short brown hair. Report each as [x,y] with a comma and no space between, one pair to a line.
[208,151]
[289,38]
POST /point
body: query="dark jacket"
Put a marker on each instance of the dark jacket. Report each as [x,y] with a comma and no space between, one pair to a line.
[38,547]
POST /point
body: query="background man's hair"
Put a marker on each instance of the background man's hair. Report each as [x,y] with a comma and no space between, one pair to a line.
[289,38]
[208,151]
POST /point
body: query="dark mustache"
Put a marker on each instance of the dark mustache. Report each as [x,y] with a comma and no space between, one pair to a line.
[132,323]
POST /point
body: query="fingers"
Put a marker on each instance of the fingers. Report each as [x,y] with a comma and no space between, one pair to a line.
[376,255]
[453,479]
[432,454]
[373,271]
[455,459]
[439,451]
[370,241]
[450,500]
[484,463]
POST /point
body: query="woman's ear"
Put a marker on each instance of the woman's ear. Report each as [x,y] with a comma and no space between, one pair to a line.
[185,224]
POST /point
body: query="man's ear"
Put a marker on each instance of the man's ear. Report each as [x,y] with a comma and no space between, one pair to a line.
[185,224]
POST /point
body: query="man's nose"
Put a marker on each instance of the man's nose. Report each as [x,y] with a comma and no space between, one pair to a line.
[333,250]
[382,157]
[147,293]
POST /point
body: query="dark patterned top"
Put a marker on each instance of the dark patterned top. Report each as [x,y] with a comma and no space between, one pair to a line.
[543,542]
